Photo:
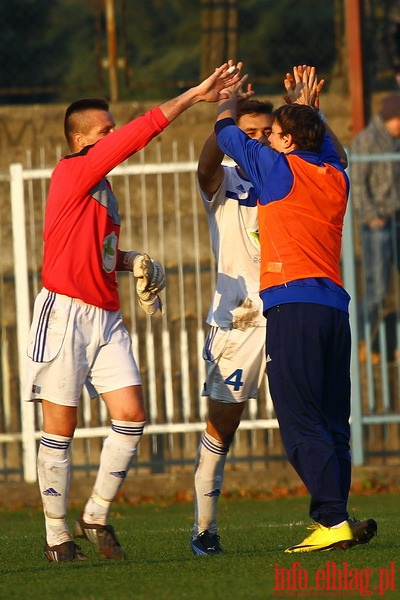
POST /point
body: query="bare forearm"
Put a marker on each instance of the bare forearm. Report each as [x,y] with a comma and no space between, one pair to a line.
[212,89]
[125,260]
[227,108]
[210,171]
[173,108]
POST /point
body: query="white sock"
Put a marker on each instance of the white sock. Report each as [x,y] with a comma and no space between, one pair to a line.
[209,475]
[338,525]
[119,449]
[53,469]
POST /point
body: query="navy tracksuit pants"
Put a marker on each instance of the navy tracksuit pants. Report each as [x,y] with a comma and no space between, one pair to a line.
[308,364]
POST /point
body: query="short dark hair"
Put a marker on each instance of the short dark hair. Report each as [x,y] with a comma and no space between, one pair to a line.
[304,123]
[80,106]
[247,106]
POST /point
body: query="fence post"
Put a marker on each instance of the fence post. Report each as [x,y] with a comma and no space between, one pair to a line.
[22,316]
[349,281]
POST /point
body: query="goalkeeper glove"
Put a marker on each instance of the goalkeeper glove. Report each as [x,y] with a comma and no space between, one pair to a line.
[150,280]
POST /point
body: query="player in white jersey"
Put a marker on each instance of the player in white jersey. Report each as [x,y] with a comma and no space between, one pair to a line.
[234,350]
[235,347]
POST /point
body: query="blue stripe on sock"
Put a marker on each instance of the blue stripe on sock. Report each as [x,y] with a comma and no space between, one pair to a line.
[215,448]
[55,444]
[128,430]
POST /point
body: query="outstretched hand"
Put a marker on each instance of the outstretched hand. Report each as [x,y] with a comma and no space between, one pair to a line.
[238,89]
[303,86]
[225,76]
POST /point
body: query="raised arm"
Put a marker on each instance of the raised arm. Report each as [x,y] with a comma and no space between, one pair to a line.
[209,90]
[337,145]
[303,87]
[210,171]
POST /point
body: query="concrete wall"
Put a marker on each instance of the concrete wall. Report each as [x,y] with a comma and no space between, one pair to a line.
[39,128]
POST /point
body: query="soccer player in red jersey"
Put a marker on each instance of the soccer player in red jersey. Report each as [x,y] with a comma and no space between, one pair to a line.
[77,336]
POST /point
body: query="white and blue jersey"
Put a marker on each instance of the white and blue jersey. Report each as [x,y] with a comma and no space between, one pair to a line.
[233,226]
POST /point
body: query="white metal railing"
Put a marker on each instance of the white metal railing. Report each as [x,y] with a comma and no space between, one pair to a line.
[180,414]
[162,214]
[375,388]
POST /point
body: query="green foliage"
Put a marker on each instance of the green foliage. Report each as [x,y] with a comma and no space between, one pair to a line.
[60,46]
[70,39]
[277,35]
[163,42]
[45,46]
[22,25]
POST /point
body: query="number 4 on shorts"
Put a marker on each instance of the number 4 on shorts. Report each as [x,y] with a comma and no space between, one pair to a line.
[235,379]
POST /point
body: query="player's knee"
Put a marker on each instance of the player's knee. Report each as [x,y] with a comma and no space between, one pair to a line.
[223,420]
[134,416]
[59,419]
[223,431]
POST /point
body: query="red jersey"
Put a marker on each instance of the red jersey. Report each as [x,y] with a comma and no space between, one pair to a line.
[82,221]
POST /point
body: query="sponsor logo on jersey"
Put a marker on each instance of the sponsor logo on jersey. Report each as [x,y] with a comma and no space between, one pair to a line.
[110,252]
[254,237]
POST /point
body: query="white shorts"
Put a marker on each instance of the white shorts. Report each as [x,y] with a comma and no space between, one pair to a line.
[235,363]
[72,344]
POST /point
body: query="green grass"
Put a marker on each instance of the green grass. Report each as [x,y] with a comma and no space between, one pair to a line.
[161,566]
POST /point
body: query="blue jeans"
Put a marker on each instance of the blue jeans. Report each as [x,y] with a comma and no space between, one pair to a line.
[381,248]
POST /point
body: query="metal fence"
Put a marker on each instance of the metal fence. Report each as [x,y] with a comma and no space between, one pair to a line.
[376,376]
[162,214]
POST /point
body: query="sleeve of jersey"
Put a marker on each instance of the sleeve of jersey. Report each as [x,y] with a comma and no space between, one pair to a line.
[232,141]
[249,154]
[116,147]
[329,154]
